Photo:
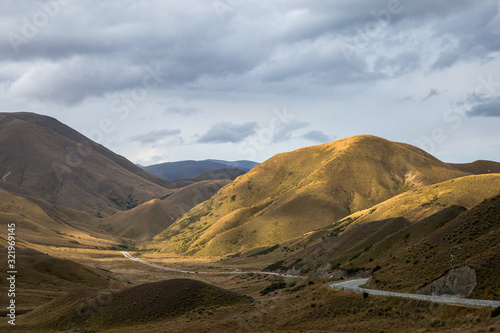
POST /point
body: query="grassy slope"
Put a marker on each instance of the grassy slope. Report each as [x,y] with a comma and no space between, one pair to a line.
[94,180]
[293,193]
[42,223]
[150,218]
[472,239]
[301,308]
[142,222]
[42,277]
[478,167]
[145,303]
[420,203]
[412,237]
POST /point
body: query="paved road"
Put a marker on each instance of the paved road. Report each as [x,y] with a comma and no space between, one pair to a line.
[126,254]
[354,285]
[345,285]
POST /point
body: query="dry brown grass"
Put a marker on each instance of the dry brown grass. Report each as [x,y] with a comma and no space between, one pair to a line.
[97,180]
[294,193]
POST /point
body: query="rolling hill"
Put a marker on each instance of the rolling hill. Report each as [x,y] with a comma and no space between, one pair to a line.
[150,218]
[45,277]
[40,222]
[294,193]
[55,183]
[43,158]
[144,303]
[142,222]
[478,167]
[394,228]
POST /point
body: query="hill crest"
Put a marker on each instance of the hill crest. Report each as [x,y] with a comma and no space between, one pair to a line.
[296,192]
[41,157]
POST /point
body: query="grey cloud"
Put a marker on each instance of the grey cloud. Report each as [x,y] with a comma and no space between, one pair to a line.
[318,136]
[432,93]
[73,80]
[228,132]
[285,131]
[488,108]
[182,110]
[155,136]
[402,63]
[269,47]
[467,39]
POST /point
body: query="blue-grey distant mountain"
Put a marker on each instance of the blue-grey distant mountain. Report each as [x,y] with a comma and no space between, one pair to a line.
[243,165]
[190,169]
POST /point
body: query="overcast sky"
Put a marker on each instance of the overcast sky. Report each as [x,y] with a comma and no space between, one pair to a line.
[167,80]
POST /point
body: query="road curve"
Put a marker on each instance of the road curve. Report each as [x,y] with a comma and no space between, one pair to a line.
[345,285]
[354,285]
[127,255]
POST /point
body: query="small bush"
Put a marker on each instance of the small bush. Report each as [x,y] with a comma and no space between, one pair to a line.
[496,312]
[302,286]
[276,285]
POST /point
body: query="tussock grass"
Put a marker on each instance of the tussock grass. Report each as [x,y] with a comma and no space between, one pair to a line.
[294,193]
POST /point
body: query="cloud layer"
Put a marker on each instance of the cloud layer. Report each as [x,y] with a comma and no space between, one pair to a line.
[217,69]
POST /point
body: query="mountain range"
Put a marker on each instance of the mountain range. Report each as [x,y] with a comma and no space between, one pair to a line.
[189,169]
[66,189]
[362,205]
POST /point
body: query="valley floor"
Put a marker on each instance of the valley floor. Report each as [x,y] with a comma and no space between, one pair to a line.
[292,305]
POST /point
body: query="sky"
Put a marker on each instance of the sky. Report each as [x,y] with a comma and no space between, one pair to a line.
[161,81]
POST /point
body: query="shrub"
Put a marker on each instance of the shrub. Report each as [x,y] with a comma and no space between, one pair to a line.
[278,284]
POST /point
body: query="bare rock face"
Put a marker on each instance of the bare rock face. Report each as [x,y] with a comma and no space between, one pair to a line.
[457,282]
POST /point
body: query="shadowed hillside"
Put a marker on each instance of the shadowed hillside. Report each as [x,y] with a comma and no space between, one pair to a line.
[294,193]
[189,169]
[150,218]
[44,158]
[478,167]
[42,223]
[218,174]
[429,236]
[140,304]
[469,242]
[43,277]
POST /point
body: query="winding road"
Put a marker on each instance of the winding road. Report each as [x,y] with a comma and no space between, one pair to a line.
[345,285]
[126,254]
[354,285]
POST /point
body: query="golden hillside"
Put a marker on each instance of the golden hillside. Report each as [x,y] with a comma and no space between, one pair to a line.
[420,203]
[294,193]
[458,217]
[142,222]
[150,218]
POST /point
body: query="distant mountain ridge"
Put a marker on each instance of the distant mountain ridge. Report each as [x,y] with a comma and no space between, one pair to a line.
[190,168]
